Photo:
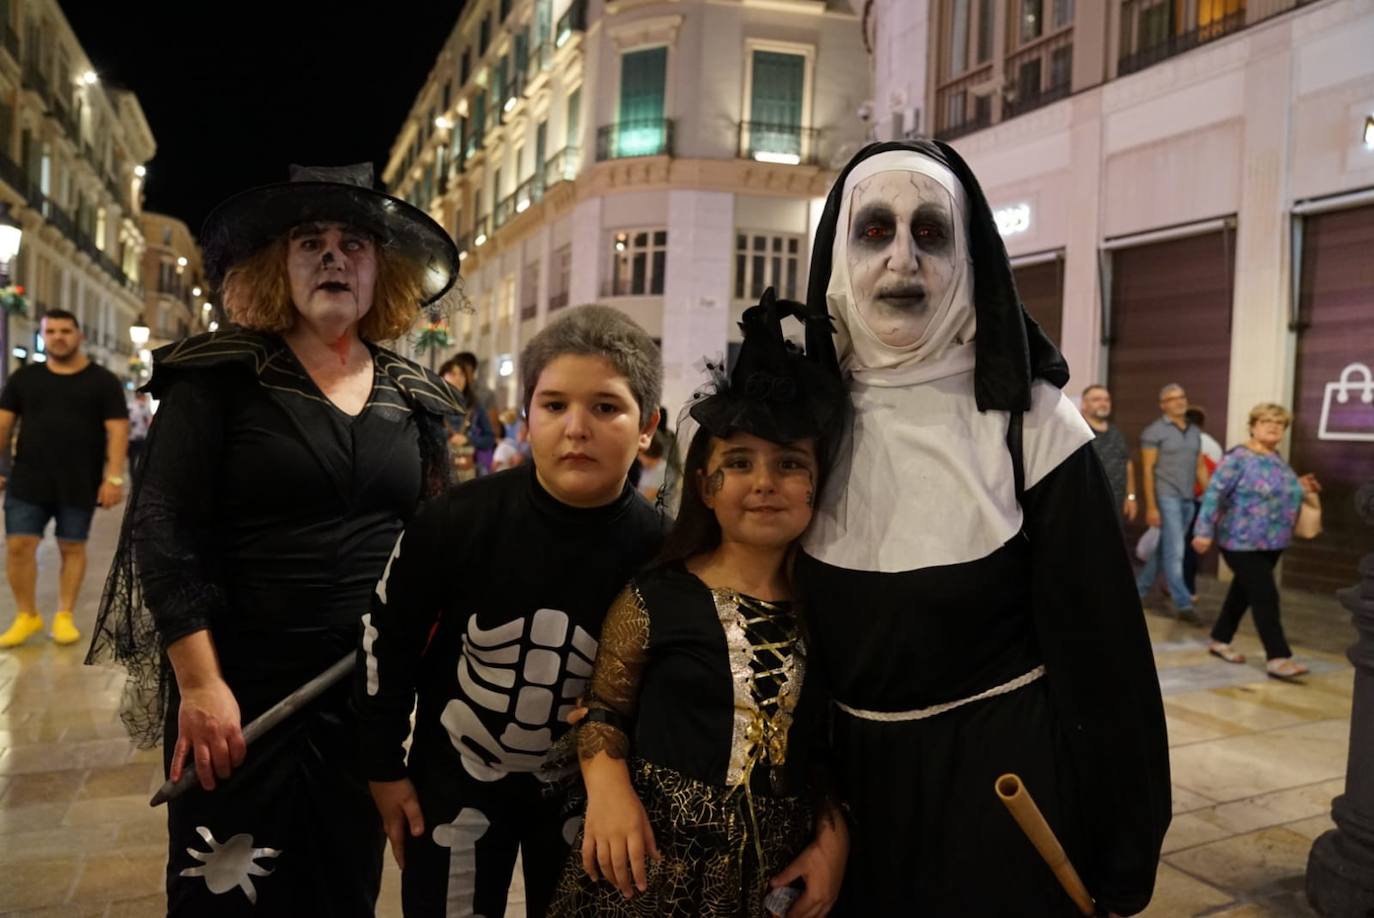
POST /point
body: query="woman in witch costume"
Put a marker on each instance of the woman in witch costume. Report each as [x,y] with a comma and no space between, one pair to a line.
[287,453]
[969,600]
[697,750]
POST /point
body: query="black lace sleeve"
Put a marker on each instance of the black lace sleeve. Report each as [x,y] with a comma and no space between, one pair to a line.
[162,585]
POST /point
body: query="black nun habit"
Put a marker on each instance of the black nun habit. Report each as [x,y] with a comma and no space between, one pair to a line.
[970,603]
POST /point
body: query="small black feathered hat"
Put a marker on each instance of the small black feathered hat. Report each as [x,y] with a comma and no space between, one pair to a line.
[776,391]
[246,222]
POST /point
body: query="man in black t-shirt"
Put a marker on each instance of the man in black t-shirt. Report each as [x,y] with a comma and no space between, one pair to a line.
[1112,450]
[73,434]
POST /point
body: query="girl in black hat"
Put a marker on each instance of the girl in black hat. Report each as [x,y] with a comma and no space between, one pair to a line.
[971,603]
[288,451]
[696,750]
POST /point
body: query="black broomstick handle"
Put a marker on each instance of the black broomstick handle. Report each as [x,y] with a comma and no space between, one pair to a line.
[264,722]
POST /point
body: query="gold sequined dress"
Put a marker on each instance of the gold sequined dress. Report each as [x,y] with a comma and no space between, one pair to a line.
[719,733]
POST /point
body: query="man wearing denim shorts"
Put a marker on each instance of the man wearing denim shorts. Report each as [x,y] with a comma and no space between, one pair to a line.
[1171,462]
[73,434]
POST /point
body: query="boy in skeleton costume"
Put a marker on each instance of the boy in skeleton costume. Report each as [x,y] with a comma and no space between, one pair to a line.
[490,606]
[970,603]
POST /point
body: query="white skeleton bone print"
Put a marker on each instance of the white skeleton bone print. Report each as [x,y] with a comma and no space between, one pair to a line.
[530,679]
[461,837]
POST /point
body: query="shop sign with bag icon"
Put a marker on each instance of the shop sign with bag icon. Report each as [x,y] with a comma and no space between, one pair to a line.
[1348,406]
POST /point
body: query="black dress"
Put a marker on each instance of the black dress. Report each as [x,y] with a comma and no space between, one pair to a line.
[265,515]
[1087,739]
[723,726]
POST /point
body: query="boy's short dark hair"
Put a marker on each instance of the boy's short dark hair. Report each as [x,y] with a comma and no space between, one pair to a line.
[466,359]
[61,314]
[598,331]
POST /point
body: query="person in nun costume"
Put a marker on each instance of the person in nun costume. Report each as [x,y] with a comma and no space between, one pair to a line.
[971,606]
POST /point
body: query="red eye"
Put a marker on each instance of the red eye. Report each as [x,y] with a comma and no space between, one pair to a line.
[876,232]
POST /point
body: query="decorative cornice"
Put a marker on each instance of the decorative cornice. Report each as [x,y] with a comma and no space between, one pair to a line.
[648,31]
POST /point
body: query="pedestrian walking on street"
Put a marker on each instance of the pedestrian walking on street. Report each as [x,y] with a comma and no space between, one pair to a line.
[1170,466]
[1211,458]
[470,434]
[140,419]
[1112,450]
[1249,510]
[73,437]
[288,452]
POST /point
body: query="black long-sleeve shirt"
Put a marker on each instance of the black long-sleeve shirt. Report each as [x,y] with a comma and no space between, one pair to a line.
[490,607]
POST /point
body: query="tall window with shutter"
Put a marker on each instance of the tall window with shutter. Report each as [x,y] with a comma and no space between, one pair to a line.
[643,77]
[775,106]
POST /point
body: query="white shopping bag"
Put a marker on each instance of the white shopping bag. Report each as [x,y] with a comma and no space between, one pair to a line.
[1348,406]
[1145,548]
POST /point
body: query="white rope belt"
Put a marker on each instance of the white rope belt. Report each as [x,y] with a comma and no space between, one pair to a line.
[922,713]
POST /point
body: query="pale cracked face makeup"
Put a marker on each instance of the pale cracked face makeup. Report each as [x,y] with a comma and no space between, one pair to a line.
[900,253]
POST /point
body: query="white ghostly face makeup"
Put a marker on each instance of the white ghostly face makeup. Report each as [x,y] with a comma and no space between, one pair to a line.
[900,253]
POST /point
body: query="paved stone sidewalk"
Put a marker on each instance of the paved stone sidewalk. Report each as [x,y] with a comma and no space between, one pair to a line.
[1255,765]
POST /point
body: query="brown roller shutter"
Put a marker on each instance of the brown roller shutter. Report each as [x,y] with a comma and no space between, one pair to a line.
[1042,291]
[1336,329]
[1170,322]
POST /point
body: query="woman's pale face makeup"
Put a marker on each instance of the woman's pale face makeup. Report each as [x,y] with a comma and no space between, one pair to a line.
[900,253]
[333,272]
[761,492]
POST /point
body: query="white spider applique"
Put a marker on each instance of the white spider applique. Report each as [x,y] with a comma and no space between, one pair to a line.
[229,865]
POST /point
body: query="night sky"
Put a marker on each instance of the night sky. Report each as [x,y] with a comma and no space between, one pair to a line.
[235,91]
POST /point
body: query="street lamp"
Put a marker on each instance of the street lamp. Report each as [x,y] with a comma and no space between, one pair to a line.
[139,332]
[11,233]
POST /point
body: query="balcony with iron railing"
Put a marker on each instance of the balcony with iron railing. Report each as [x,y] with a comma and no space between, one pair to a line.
[529,192]
[481,231]
[788,144]
[959,110]
[541,59]
[1038,74]
[572,21]
[562,166]
[629,139]
[1151,33]
[510,94]
[9,39]
[503,211]
[14,175]
[36,81]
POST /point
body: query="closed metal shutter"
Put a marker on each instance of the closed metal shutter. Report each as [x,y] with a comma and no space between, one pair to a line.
[1042,292]
[1336,330]
[1170,322]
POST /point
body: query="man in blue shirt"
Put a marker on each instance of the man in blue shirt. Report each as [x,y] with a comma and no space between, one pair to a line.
[1171,462]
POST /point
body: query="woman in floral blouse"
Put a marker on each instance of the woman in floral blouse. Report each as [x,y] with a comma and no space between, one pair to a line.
[1250,509]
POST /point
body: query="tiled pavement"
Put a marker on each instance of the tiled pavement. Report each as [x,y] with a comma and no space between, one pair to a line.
[1255,765]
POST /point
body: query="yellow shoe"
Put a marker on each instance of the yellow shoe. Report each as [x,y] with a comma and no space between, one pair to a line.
[63,631]
[26,625]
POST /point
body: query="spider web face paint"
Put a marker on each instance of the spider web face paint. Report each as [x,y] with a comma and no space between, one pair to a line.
[231,865]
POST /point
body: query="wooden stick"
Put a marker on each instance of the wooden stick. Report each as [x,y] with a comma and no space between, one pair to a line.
[1022,807]
[264,722]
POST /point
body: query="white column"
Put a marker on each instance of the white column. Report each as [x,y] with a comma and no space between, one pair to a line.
[696,292]
[587,252]
[543,243]
[1081,338]
[1262,347]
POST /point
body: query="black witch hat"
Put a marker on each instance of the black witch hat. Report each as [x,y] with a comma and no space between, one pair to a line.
[1010,348]
[246,222]
[776,391]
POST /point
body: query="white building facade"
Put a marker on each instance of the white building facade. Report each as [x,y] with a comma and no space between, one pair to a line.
[1187,190]
[665,158]
[72,154]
